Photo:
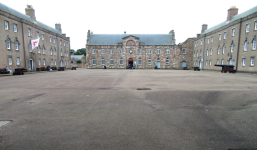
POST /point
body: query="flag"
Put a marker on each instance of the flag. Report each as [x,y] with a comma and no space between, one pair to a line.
[35,43]
[135,63]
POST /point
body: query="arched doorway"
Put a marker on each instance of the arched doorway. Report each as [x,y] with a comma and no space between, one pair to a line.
[158,63]
[130,63]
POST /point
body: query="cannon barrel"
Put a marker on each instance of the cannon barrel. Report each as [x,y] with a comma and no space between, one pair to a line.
[219,65]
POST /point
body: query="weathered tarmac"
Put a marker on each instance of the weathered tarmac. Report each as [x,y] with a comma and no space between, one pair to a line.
[102,109]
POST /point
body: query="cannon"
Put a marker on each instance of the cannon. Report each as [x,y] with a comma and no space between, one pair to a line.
[196,68]
[226,68]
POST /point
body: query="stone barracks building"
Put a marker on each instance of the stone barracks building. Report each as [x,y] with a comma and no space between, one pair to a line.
[16,32]
[230,42]
[143,50]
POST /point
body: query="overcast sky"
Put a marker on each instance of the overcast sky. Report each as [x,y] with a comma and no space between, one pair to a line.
[185,17]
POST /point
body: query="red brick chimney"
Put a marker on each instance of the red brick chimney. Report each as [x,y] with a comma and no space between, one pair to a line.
[232,12]
[30,12]
[204,27]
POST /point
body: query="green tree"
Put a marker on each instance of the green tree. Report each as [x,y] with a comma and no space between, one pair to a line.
[80,52]
[78,61]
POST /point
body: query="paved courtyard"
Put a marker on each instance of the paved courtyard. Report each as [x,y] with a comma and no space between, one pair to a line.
[102,109]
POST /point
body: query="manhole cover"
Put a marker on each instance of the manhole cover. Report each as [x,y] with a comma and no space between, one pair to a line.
[2,123]
[143,89]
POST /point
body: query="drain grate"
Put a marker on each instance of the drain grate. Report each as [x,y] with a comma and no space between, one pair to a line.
[2,123]
[143,89]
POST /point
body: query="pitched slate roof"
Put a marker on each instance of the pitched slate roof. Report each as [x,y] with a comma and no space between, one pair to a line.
[242,15]
[113,39]
[28,18]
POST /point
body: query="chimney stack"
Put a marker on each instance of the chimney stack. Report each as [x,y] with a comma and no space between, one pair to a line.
[30,12]
[232,12]
[58,27]
[204,27]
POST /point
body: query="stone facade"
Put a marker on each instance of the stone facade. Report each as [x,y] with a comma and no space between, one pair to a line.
[20,29]
[225,42]
[130,48]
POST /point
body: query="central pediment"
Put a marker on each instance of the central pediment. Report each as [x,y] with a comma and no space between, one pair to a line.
[126,37]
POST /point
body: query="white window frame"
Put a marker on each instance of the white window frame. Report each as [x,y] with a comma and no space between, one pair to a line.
[60,42]
[219,36]
[219,50]
[206,63]
[139,51]
[167,51]
[201,42]
[200,52]
[210,62]
[55,62]
[43,50]
[232,48]
[6,25]
[255,28]
[245,46]
[15,28]
[252,61]
[207,51]
[51,51]
[233,31]
[38,49]
[111,61]
[149,51]
[29,32]
[121,61]
[139,61]
[223,49]
[8,44]
[61,52]
[197,54]
[244,62]
[18,61]
[158,51]
[102,61]
[54,40]
[39,61]
[121,51]
[37,34]
[208,40]
[111,51]
[222,61]
[149,62]
[93,61]
[44,62]
[52,61]
[211,52]
[50,38]
[225,35]
[247,28]
[254,44]
[212,39]
[10,61]
[54,51]
[16,45]
[218,61]
[184,51]
[167,61]
[43,36]
[102,51]
[93,51]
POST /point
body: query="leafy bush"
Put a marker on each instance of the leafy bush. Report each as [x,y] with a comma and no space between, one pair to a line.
[78,61]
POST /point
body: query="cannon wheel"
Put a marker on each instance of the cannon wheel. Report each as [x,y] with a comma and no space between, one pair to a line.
[225,71]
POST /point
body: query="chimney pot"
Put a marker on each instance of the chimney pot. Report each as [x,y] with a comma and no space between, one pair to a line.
[233,11]
[204,27]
